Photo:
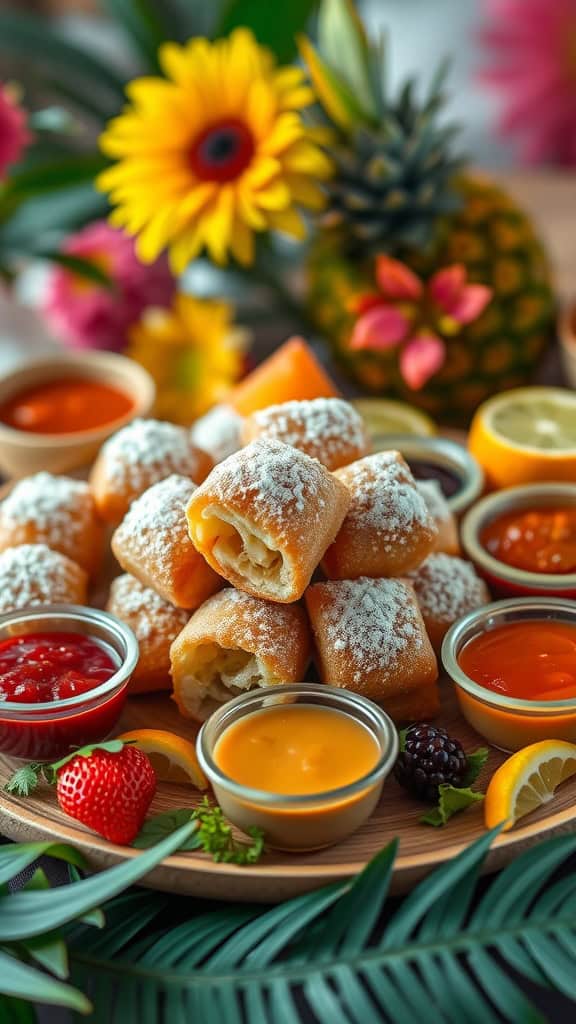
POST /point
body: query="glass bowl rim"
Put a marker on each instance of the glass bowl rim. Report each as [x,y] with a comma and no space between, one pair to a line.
[450,649]
[74,612]
[500,503]
[264,798]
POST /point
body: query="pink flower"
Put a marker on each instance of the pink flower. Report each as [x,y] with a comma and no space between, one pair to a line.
[86,314]
[410,313]
[14,134]
[533,66]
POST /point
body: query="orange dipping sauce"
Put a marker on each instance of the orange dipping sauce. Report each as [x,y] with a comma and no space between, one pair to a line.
[296,750]
[541,540]
[65,406]
[532,660]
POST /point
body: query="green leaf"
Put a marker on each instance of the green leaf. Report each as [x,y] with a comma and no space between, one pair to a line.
[343,44]
[56,174]
[24,779]
[110,746]
[45,219]
[476,761]
[16,1011]
[81,267]
[451,800]
[142,27]
[32,39]
[215,837]
[25,914]
[16,857]
[19,979]
[274,25]
[160,825]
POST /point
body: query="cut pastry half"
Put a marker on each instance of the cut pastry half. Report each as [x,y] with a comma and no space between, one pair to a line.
[235,642]
[265,516]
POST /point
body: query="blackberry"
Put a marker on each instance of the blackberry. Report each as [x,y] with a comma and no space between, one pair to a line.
[429,759]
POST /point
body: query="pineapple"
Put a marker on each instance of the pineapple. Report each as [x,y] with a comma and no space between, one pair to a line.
[400,189]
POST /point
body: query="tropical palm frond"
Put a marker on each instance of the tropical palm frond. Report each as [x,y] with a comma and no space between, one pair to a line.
[339,954]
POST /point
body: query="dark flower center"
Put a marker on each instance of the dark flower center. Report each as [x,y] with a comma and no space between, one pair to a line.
[222,151]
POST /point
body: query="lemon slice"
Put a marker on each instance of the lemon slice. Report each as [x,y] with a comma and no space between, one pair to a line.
[528,779]
[173,757]
[526,435]
[384,416]
[543,419]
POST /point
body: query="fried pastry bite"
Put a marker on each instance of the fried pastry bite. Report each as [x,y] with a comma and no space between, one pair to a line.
[155,624]
[34,574]
[417,706]
[265,516]
[447,540]
[388,529]
[370,637]
[218,432]
[446,589]
[236,642]
[327,429]
[57,511]
[139,455]
[152,544]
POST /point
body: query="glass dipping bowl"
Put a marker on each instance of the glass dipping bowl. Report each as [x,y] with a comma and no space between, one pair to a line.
[47,731]
[503,579]
[311,821]
[509,722]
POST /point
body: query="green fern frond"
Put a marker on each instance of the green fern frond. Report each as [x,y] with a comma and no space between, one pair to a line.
[338,953]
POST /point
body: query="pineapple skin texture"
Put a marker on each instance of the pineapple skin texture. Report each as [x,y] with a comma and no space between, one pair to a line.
[496,241]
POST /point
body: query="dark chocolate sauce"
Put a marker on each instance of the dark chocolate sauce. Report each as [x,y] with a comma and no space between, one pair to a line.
[448,479]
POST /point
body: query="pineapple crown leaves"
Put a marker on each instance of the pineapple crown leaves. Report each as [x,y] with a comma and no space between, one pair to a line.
[395,160]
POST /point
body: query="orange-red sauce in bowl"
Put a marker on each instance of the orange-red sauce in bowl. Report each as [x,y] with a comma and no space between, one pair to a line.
[66,406]
[531,660]
[540,540]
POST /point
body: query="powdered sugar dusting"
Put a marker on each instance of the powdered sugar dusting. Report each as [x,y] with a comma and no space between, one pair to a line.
[386,503]
[447,588]
[266,627]
[328,429]
[147,450]
[436,503]
[47,501]
[282,482]
[147,613]
[156,521]
[33,574]
[218,432]
[375,622]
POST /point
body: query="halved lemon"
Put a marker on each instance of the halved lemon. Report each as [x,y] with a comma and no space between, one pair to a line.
[173,757]
[528,779]
[526,435]
[384,416]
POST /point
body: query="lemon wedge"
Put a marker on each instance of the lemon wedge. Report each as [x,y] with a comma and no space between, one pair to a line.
[528,779]
[173,757]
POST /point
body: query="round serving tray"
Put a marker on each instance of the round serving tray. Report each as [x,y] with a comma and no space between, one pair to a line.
[279,875]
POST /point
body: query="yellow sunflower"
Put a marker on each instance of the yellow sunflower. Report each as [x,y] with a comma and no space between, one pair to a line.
[193,351]
[213,152]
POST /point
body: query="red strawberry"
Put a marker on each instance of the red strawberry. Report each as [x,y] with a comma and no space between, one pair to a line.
[109,792]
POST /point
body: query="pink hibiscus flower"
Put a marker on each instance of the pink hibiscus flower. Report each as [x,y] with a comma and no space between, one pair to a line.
[411,315]
[86,314]
[14,134]
[533,65]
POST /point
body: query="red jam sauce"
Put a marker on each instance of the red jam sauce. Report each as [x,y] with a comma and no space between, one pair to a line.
[541,540]
[40,667]
[46,668]
[65,407]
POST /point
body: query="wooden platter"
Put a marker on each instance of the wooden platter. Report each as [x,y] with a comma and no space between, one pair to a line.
[280,876]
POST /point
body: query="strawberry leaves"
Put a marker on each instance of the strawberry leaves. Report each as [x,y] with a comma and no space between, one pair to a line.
[28,777]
